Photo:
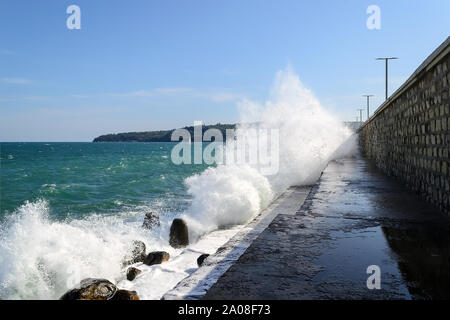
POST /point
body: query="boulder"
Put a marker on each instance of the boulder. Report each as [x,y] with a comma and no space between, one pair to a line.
[137,253]
[98,289]
[179,236]
[156,257]
[138,250]
[151,220]
[201,259]
[125,295]
[132,272]
[91,289]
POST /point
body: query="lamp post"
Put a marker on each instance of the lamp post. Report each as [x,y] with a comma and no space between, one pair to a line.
[368,108]
[387,60]
[360,114]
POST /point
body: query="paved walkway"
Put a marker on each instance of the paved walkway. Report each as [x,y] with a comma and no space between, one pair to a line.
[353,218]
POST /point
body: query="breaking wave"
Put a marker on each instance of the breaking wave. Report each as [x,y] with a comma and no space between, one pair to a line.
[309,137]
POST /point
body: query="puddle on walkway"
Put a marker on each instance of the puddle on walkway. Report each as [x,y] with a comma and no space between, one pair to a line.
[423,258]
[414,261]
[347,257]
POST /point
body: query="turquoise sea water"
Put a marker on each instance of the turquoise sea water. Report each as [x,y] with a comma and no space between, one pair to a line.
[79,179]
[72,210]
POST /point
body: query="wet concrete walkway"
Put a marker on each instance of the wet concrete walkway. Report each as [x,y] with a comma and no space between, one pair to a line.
[354,217]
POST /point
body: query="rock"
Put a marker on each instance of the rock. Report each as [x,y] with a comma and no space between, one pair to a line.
[151,220]
[138,251]
[125,295]
[156,257]
[91,289]
[201,259]
[179,236]
[132,272]
[137,254]
[98,289]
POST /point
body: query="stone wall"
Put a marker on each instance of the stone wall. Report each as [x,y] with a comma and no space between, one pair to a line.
[408,136]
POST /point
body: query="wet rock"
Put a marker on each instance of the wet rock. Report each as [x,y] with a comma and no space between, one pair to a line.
[132,272]
[137,254]
[91,289]
[138,250]
[179,236]
[151,220]
[156,257]
[201,259]
[98,289]
[125,295]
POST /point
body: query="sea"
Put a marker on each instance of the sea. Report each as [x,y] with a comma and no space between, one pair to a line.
[72,210]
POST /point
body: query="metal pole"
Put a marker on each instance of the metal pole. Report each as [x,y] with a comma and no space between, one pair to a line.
[386,61]
[360,114]
[368,104]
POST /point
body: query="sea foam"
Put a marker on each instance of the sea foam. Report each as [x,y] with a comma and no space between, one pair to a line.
[41,258]
[309,137]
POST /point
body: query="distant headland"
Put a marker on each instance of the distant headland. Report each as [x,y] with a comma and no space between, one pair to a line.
[157,136]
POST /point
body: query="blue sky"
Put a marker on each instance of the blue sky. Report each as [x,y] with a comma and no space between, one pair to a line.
[148,65]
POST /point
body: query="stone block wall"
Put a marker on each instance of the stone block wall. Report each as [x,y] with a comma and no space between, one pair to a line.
[408,136]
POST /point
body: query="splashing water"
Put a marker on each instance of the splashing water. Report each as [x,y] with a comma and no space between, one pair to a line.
[308,139]
[40,258]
